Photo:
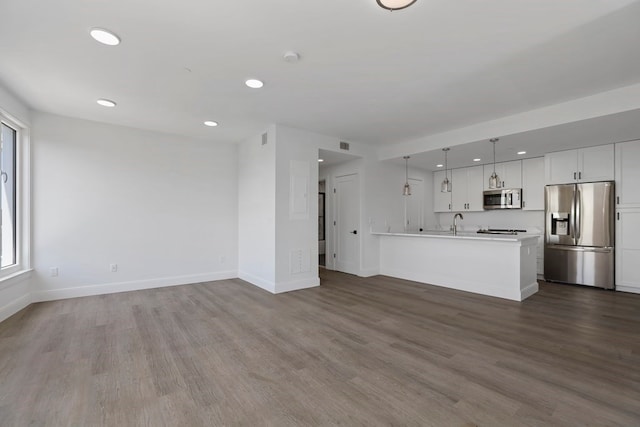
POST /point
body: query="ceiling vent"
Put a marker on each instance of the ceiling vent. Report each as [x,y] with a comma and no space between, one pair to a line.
[344,145]
[264,138]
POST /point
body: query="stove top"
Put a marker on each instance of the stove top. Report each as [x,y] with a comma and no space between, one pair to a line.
[500,231]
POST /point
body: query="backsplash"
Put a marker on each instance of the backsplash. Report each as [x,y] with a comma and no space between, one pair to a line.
[532,221]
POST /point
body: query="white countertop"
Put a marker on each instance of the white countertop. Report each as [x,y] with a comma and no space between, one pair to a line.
[464,235]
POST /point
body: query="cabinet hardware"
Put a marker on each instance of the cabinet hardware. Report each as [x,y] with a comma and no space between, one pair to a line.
[579,175]
[449,206]
[618,200]
[524,203]
[618,216]
[574,175]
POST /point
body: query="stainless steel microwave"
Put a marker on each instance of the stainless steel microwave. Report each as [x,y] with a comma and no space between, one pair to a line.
[504,198]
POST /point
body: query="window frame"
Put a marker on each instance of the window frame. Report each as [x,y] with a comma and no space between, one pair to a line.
[23,199]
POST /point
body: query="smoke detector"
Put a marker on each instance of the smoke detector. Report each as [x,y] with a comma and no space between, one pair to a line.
[291,56]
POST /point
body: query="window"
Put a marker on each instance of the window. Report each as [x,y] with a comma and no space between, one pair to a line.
[8,224]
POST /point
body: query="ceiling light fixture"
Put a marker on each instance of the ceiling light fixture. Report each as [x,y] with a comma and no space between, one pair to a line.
[105,36]
[406,190]
[520,153]
[395,4]
[439,166]
[254,83]
[210,123]
[445,187]
[106,102]
[476,160]
[494,180]
[320,160]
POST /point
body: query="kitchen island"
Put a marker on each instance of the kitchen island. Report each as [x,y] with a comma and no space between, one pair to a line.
[501,266]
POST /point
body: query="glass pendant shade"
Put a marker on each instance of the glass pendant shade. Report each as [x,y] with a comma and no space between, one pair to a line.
[494,179]
[445,187]
[406,190]
[395,4]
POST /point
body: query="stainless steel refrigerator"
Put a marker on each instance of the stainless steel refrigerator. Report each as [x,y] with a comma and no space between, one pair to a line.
[579,234]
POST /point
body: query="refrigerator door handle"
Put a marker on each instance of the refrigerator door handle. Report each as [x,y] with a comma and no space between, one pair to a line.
[572,218]
[606,249]
[578,214]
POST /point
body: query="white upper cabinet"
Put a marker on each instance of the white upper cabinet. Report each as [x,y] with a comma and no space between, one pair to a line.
[596,164]
[467,189]
[533,184]
[510,174]
[582,165]
[441,201]
[628,174]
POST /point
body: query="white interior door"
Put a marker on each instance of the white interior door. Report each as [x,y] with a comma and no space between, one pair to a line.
[347,224]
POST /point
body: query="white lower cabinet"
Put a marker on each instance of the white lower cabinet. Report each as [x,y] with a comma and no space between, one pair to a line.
[627,250]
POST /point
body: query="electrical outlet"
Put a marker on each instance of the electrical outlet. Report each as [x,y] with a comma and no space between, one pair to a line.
[114,268]
[54,271]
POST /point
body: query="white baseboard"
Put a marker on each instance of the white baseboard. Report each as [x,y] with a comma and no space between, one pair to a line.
[631,289]
[135,285]
[267,285]
[14,306]
[369,273]
[296,285]
[529,290]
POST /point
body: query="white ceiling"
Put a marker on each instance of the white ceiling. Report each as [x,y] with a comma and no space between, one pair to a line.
[365,74]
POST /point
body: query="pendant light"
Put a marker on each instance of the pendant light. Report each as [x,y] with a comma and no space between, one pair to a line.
[494,179]
[406,191]
[445,187]
[395,4]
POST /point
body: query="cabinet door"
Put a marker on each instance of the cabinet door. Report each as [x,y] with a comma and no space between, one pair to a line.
[628,250]
[512,174]
[533,184]
[596,163]
[474,188]
[628,174]
[561,167]
[441,201]
[459,191]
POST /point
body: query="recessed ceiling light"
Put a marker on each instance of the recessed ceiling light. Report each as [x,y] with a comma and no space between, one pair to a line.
[476,160]
[254,83]
[106,102]
[439,166]
[105,36]
[210,123]
[320,160]
[520,153]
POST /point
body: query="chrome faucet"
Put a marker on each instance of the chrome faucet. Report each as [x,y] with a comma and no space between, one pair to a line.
[455,222]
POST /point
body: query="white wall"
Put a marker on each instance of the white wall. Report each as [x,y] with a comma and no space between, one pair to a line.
[257,210]
[15,292]
[296,230]
[161,207]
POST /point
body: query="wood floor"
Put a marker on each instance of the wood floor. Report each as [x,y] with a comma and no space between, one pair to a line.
[375,351]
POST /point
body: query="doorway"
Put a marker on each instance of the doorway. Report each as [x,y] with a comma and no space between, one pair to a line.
[322,227]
